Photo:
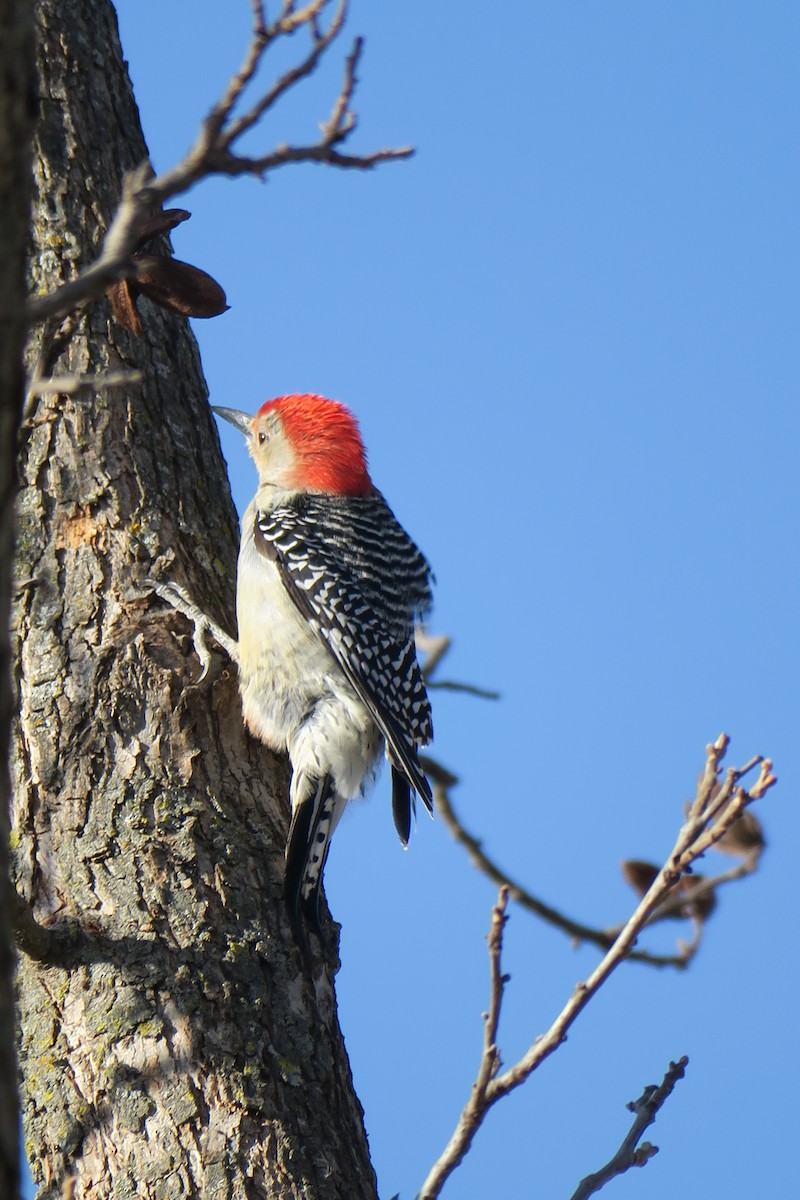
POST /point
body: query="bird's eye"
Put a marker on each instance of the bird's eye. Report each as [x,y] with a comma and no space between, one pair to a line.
[262,438]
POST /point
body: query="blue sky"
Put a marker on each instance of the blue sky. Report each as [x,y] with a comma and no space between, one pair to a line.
[568,327]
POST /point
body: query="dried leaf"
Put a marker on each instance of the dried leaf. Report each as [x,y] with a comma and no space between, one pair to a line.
[704,905]
[165,280]
[159,223]
[744,836]
[123,305]
[178,286]
[679,904]
[639,874]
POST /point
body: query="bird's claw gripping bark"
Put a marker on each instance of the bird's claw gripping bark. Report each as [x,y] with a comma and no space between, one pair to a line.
[178,598]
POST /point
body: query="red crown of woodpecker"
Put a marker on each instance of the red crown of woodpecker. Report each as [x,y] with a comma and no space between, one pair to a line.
[327,442]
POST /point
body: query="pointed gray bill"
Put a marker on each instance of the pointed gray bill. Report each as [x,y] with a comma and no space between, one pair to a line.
[241,420]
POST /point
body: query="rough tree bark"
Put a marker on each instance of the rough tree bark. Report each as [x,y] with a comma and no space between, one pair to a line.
[16,124]
[174,1043]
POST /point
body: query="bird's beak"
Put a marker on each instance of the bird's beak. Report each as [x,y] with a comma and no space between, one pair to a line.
[242,420]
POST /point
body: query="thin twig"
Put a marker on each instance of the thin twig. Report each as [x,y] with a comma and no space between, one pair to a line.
[434,647]
[114,261]
[73,385]
[491,1057]
[342,120]
[287,81]
[477,1106]
[469,689]
[630,1153]
[321,152]
[55,337]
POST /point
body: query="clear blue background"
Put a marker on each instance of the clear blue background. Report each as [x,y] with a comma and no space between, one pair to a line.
[569,329]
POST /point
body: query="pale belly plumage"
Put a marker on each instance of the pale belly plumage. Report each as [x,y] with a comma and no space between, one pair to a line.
[295,696]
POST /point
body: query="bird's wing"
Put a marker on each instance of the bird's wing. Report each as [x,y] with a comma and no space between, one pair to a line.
[358,579]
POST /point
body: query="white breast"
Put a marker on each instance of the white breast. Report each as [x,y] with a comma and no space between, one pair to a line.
[282,663]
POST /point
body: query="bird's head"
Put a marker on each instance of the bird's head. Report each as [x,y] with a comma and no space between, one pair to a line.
[305,443]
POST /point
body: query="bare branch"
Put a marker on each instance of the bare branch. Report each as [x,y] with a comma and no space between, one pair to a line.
[73,385]
[677,903]
[434,646]
[215,121]
[692,841]
[604,938]
[630,1153]
[55,337]
[114,260]
[469,689]
[698,832]
[287,80]
[725,801]
[342,119]
[213,151]
[491,1063]
[321,152]
[477,1106]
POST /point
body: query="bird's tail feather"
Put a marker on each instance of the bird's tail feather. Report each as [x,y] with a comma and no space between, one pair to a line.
[402,804]
[315,813]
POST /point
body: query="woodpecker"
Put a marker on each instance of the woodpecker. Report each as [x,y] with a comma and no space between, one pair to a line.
[329,586]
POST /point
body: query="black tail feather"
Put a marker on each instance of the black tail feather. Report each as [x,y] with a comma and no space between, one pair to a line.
[307,850]
[401,805]
[296,850]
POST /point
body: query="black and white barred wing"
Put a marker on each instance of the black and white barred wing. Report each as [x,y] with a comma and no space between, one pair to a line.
[360,581]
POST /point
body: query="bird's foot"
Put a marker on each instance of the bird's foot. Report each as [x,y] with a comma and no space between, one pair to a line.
[178,598]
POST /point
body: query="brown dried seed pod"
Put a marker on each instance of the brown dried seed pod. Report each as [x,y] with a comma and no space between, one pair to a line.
[178,286]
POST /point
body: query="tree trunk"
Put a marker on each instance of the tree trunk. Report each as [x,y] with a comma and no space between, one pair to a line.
[16,125]
[176,1043]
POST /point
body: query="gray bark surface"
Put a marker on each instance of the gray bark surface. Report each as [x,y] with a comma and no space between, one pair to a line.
[176,1043]
[16,126]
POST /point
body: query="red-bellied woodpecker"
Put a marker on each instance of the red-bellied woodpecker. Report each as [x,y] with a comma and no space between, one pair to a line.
[329,586]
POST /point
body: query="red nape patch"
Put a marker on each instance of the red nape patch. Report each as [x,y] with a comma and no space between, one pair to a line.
[327,440]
